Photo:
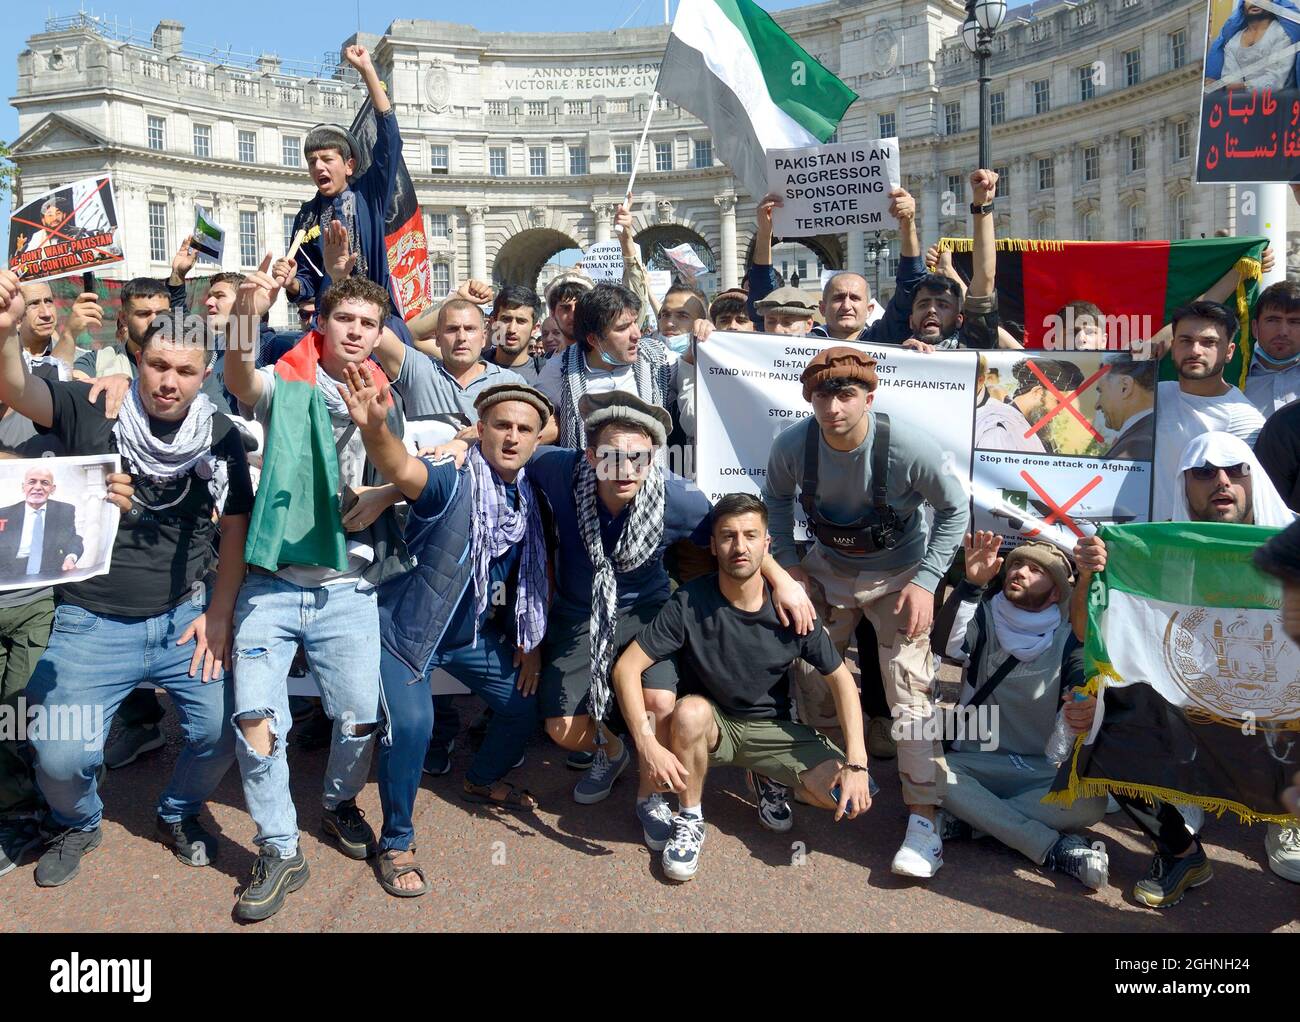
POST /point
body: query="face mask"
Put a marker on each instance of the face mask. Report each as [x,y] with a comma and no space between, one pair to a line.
[612,362]
[680,344]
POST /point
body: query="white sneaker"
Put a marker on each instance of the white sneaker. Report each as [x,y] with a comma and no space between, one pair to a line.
[1283,847]
[681,856]
[921,853]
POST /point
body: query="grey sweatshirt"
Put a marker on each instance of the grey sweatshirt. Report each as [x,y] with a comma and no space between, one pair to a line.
[916,476]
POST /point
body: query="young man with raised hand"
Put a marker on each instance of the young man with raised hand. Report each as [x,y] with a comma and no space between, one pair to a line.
[1019,656]
[514,314]
[736,648]
[862,481]
[474,605]
[616,511]
[311,580]
[164,592]
[358,205]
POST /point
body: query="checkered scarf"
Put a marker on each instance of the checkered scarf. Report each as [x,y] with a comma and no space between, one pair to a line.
[642,533]
[496,527]
[653,375]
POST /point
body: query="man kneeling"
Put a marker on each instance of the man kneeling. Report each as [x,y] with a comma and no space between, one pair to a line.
[735,648]
[1020,655]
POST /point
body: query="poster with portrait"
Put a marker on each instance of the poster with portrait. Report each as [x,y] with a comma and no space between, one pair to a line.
[1250,103]
[56,524]
[67,230]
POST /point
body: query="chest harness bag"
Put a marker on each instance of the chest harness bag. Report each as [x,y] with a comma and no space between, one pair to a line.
[880,528]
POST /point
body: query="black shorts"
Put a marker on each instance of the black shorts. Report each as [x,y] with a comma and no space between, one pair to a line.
[566,661]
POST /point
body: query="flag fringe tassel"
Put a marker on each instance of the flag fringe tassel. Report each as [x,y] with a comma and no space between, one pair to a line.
[1005,245]
[1097,787]
[1247,269]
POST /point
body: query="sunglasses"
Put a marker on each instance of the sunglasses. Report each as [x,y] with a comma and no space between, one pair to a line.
[616,461]
[1208,472]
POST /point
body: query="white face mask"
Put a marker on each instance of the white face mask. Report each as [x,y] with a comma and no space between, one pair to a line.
[681,343]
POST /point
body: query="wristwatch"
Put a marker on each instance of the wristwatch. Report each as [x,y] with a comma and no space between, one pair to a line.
[981,210]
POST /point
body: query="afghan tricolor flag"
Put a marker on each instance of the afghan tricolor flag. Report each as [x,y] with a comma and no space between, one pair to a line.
[1200,686]
[296,516]
[1136,284]
[406,244]
[731,65]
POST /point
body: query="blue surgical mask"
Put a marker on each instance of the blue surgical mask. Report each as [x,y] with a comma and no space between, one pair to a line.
[680,343]
[613,363]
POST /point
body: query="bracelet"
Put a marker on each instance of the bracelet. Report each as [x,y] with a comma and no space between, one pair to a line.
[855,767]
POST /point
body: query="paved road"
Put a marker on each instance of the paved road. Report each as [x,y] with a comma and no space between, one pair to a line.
[584,868]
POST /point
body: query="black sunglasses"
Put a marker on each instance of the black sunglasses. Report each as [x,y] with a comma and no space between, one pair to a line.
[1208,472]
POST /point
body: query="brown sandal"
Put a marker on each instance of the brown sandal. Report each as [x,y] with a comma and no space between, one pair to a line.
[389,871]
[517,800]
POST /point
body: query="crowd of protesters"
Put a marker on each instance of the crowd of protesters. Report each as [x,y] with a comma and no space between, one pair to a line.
[547,555]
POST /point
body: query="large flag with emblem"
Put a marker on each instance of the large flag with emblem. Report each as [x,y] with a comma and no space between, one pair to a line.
[1200,686]
[1136,284]
[731,65]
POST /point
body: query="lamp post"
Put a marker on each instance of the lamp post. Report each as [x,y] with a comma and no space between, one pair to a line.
[876,247]
[982,20]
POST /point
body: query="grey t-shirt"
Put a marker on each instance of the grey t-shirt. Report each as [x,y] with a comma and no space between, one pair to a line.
[916,476]
[352,465]
[430,392]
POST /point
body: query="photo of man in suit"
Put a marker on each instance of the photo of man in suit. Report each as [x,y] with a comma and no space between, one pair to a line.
[1126,397]
[38,538]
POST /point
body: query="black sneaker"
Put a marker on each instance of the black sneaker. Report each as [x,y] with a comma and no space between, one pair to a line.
[193,845]
[478,730]
[579,760]
[437,761]
[273,878]
[61,860]
[347,825]
[17,838]
[315,732]
[774,811]
[131,743]
[1169,878]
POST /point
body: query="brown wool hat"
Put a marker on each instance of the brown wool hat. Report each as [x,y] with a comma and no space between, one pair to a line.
[1052,561]
[497,393]
[616,406]
[840,362]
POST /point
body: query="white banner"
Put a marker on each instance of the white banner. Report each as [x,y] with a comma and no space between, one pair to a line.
[603,261]
[1055,479]
[831,188]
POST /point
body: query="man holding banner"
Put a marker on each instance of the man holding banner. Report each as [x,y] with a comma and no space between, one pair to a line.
[1167,736]
[862,485]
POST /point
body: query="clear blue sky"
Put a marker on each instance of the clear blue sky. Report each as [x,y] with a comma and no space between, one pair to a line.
[306,31]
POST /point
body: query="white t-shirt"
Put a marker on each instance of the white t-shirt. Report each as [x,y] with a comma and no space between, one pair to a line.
[681,384]
[1265,65]
[1180,418]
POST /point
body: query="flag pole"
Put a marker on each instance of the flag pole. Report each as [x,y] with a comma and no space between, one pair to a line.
[640,147]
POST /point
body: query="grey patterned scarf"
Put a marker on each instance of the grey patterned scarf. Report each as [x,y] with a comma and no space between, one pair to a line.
[653,378]
[189,450]
[642,534]
[495,527]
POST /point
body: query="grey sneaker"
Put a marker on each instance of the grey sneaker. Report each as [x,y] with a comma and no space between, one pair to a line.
[596,785]
[682,855]
[17,838]
[61,860]
[1073,856]
[130,744]
[656,821]
[774,811]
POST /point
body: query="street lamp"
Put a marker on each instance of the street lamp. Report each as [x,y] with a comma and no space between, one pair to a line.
[982,20]
[876,247]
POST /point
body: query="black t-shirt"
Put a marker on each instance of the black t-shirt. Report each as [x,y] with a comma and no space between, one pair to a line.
[167,542]
[740,659]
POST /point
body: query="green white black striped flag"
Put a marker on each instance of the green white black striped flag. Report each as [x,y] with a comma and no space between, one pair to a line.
[1200,686]
[208,238]
[756,89]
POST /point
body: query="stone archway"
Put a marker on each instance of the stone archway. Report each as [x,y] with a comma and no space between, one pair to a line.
[521,258]
[826,248]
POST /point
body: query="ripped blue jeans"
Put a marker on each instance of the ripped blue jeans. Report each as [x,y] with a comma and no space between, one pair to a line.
[338,627]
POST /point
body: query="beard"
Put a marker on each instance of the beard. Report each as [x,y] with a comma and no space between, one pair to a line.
[1026,600]
[1257,17]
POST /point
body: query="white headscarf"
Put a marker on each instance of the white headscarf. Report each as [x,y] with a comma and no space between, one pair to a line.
[1224,449]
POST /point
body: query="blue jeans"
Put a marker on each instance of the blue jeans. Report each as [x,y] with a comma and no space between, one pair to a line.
[93,662]
[489,672]
[339,629]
